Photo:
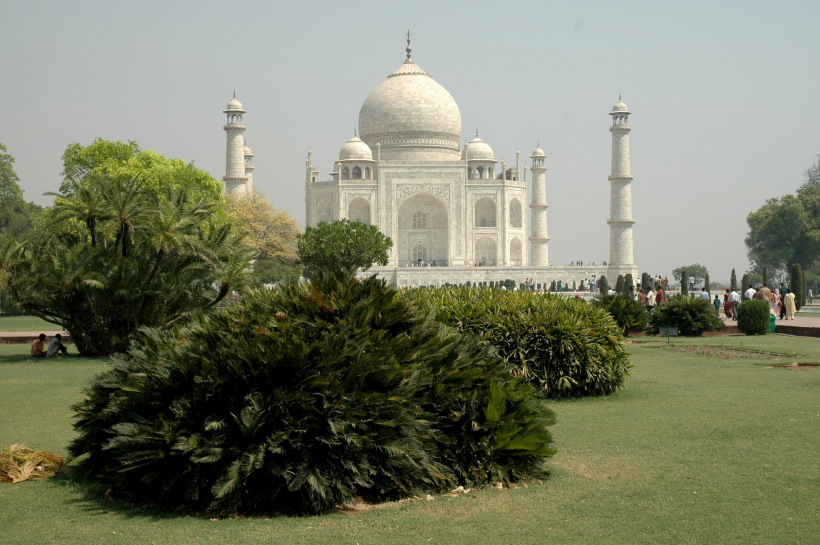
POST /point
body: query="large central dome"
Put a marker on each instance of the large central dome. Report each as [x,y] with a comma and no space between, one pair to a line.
[412,117]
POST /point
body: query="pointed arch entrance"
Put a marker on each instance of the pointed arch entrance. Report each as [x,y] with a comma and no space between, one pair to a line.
[423,235]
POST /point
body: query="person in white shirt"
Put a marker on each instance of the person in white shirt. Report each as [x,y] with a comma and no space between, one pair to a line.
[750,293]
[650,300]
[609,291]
[56,345]
[734,297]
[704,294]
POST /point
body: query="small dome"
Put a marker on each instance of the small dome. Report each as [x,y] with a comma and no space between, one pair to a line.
[355,148]
[538,152]
[248,152]
[620,107]
[479,150]
[234,106]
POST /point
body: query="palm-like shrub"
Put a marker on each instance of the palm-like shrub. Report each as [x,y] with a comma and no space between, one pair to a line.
[116,258]
[629,314]
[691,315]
[297,399]
[565,347]
[753,317]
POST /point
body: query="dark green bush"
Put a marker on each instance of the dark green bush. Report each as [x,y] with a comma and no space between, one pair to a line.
[629,314]
[684,282]
[796,285]
[645,281]
[564,346]
[691,315]
[301,398]
[753,317]
[603,284]
[620,284]
[629,282]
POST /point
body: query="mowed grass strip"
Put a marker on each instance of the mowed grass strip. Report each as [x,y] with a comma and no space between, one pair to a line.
[695,450]
[26,323]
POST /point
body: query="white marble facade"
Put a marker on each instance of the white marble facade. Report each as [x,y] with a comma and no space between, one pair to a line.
[454,214]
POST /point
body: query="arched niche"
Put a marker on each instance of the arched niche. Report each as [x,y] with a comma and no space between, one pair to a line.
[484,212]
[516,253]
[359,210]
[324,211]
[515,213]
[345,174]
[423,220]
[357,173]
[486,251]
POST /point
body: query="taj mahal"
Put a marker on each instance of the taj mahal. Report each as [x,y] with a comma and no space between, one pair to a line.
[453,212]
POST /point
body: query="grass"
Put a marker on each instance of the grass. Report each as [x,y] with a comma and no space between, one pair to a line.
[26,323]
[694,450]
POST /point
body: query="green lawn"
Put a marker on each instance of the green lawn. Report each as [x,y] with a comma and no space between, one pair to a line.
[26,323]
[695,450]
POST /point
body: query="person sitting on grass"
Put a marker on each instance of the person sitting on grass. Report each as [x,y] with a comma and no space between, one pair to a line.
[38,347]
[56,345]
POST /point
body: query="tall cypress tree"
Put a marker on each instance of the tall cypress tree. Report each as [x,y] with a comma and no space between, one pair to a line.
[628,281]
[684,283]
[805,290]
[797,285]
[646,282]
[603,284]
[765,275]
[619,284]
[733,282]
[744,285]
[706,284]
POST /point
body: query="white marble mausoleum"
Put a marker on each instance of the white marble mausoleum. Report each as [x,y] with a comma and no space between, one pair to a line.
[454,213]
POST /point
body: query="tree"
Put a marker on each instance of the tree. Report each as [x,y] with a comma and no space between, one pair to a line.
[696,270]
[270,232]
[127,161]
[765,275]
[603,284]
[805,289]
[684,282]
[152,263]
[645,280]
[733,281]
[628,281]
[620,284]
[16,215]
[796,285]
[342,245]
[706,284]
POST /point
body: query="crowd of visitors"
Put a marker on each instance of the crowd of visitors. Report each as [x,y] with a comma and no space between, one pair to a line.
[780,301]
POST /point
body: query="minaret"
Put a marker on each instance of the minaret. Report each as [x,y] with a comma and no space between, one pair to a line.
[248,168]
[539,238]
[620,201]
[235,178]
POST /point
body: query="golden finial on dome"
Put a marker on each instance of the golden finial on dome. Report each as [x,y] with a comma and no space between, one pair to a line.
[354,132]
[408,49]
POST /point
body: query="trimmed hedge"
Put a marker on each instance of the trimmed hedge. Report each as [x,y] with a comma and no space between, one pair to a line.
[753,317]
[298,399]
[564,346]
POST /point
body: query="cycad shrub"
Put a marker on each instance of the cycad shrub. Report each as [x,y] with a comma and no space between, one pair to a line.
[301,398]
[628,313]
[753,317]
[691,315]
[564,346]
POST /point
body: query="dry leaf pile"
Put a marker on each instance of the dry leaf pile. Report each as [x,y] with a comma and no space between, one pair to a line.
[19,463]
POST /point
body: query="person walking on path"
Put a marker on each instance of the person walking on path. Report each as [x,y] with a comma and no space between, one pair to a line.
[790,308]
[38,346]
[727,304]
[750,293]
[716,304]
[766,292]
[809,295]
[784,291]
[651,300]
[735,298]
[660,297]
[704,294]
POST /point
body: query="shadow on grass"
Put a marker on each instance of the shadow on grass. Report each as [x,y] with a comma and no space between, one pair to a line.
[23,358]
[90,497]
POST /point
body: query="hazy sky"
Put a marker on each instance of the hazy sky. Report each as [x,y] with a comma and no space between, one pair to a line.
[724,98]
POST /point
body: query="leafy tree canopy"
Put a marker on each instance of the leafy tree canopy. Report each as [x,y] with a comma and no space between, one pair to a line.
[696,270]
[16,215]
[116,258]
[127,160]
[342,245]
[272,233]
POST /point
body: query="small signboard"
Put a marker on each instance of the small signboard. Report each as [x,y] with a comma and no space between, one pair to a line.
[669,332]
